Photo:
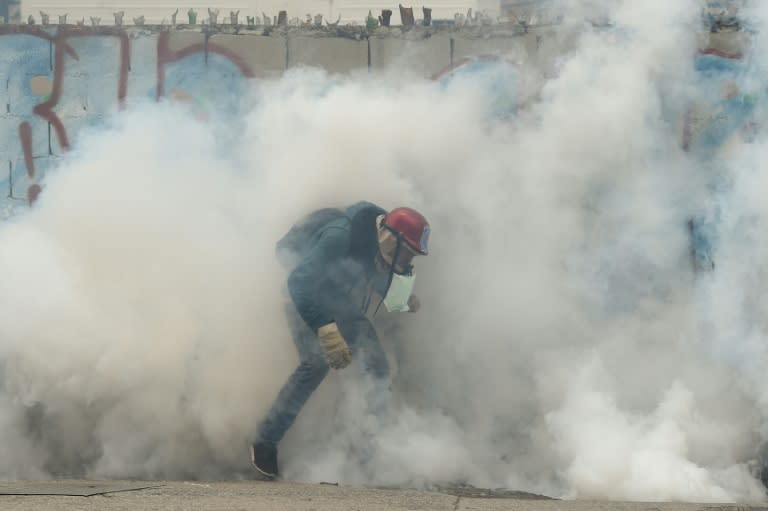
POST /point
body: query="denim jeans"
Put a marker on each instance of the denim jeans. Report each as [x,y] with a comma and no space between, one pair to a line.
[359,333]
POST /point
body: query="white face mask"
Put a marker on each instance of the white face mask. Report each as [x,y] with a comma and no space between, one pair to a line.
[399,293]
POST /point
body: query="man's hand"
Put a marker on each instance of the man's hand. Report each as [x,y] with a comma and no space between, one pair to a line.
[414,304]
[335,348]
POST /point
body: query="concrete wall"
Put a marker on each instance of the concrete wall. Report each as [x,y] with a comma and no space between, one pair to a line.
[155,13]
[61,79]
[58,79]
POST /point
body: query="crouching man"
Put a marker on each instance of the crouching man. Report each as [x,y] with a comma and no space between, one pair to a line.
[340,261]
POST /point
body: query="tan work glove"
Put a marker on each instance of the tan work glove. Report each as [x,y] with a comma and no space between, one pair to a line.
[334,347]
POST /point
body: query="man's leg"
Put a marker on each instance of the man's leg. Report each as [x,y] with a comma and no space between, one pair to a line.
[301,384]
[366,347]
[362,429]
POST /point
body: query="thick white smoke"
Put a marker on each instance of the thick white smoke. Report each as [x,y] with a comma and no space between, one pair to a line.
[564,345]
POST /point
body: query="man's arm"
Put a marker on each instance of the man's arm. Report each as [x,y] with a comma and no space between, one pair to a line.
[309,283]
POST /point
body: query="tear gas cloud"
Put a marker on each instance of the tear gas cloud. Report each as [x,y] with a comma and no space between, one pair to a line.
[564,346]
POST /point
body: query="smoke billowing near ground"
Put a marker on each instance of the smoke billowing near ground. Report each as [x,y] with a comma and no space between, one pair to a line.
[565,344]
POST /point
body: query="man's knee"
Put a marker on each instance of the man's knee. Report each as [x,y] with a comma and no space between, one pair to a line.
[366,345]
[377,365]
[314,369]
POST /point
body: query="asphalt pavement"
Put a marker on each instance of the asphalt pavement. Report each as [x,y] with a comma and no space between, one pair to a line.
[287,496]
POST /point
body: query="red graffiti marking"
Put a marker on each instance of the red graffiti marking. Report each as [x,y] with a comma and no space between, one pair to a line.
[25,130]
[32,192]
[31,31]
[25,134]
[45,110]
[720,53]
[166,56]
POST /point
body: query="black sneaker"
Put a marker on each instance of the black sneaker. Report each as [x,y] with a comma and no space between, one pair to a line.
[264,458]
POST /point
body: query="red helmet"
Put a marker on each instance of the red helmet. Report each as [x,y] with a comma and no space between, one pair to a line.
[411,226]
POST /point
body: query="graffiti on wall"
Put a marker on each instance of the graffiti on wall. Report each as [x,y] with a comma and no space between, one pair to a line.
[25,62]
[723,118]
[498,80]
[63,79]
[200,73]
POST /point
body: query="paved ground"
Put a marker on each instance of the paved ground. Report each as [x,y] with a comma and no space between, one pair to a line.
[283,496]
